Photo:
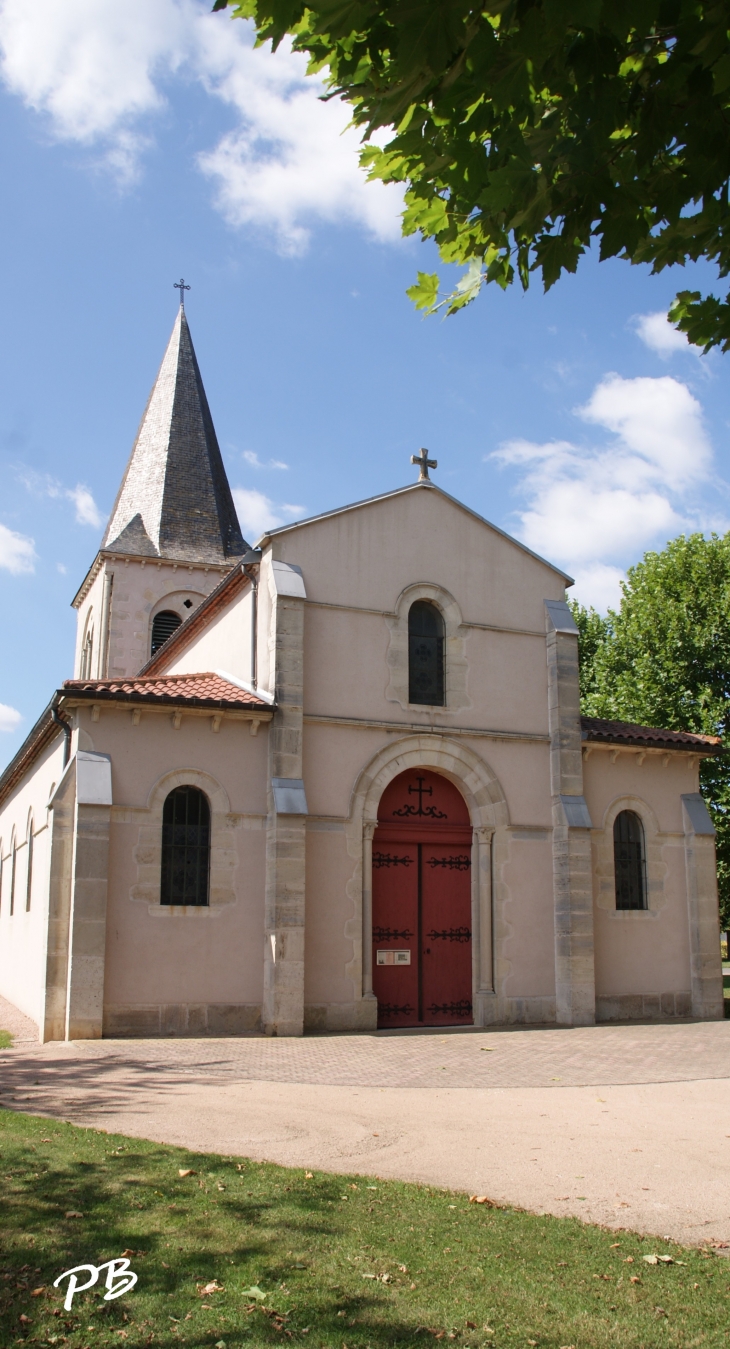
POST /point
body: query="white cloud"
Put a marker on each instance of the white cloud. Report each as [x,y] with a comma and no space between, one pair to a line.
[252,458]
[17,552]
[87,511]
[593,509]
[257,513]
[657,333]
[658,420]
[99,70]
[9,718]
[42,484]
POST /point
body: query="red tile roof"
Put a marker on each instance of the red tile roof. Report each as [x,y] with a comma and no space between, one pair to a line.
[197,690]
[626,733]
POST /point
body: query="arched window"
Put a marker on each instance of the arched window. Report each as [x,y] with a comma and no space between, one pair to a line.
[163,626]
[425,654]
[185,847]
[29,872]
[13,856]
[629,861]
[87,649]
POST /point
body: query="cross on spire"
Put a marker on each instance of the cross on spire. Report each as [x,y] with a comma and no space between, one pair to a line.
[180,285]
[424,464]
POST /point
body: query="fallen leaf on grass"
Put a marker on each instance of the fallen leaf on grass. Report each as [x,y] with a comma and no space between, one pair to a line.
[73,1213]
[652,1259]
[629,1260]
[26,1320]
[186,1171]
[634,1279]
[213,1287]
[220,1344]
[309,1175]
[254,1292]
[37,1291]
[206,1307]
[482,1199]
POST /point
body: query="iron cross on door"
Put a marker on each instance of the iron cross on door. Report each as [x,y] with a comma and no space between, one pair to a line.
[422,966]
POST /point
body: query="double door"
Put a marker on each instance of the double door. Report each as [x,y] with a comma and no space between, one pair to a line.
[422,941]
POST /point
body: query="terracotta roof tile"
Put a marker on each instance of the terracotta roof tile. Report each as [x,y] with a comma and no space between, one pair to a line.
[626,733]
[200,690]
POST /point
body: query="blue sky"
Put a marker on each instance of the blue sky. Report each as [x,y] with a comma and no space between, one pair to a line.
[147,140]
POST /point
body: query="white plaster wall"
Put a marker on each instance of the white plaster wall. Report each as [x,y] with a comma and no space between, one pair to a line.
[334,756]
[23,935]
[92,603]
[366,557]
[526,966]
[641,952]
[155,955]
[224,644]
[141,587]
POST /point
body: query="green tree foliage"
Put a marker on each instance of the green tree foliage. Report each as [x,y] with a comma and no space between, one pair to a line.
[593,632]
[664,660]
[525,129]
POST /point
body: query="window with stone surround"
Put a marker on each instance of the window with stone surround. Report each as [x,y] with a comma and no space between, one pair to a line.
[185,847]
[425,654]
[629,856]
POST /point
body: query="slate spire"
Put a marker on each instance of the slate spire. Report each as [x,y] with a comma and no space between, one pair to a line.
[175,500]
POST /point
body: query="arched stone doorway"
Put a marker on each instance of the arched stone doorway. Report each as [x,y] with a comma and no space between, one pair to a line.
[422,903]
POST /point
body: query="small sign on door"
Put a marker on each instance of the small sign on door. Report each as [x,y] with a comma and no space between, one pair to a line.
[394,957]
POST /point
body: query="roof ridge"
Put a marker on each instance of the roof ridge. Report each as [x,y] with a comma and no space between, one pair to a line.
[428,485]
[627,732]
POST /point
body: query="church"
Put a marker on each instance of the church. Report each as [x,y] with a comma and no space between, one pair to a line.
[338,780]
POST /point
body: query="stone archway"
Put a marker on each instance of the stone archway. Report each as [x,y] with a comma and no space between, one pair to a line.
[488,811]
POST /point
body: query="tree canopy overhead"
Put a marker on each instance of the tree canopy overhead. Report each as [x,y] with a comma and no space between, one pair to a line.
[525,129]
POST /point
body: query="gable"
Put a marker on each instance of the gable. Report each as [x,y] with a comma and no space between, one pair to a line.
[366,555]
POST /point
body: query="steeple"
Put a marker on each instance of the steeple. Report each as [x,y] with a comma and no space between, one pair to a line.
[175,500]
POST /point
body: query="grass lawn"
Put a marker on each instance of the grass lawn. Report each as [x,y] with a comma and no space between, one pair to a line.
[342,1262]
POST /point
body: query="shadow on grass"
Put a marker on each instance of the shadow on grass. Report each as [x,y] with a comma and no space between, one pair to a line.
[75,1196]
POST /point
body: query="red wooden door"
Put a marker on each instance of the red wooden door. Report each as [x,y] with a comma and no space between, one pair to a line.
[422,904]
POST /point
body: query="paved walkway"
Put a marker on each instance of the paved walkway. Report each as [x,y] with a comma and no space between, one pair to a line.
[623,1125]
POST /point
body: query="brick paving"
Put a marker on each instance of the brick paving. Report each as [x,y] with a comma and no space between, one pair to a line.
[590,1056]
[586,1056]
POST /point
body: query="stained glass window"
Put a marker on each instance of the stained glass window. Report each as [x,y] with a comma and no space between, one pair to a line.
[425,654]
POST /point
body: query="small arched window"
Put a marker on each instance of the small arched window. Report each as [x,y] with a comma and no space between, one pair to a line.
[629,861]
[425,654]
[185,847]
[163,626]
[87,650]
[13,858]
[29,872]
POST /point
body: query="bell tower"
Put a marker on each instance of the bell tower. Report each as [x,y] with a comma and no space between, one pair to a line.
[173,531]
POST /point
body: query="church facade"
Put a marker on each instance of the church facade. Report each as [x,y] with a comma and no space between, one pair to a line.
[338,781]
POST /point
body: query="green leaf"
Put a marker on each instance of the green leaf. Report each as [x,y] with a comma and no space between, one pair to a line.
[425,292]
